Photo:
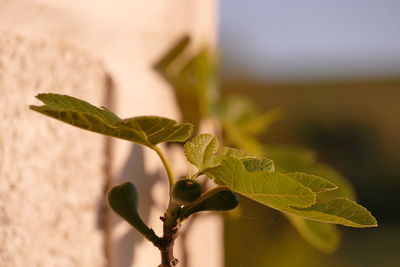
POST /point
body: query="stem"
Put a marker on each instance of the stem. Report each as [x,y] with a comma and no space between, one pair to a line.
[161,154]
[170,227]
[166,245]
[148,233]
[196,175]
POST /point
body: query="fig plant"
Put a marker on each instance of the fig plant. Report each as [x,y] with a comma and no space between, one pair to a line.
[233,171]
[192,76]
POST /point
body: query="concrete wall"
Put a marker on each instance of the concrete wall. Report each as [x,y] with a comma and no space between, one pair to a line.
[51,180]
[126,37]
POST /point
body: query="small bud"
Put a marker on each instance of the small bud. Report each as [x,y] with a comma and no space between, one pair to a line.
[185,191]
[123,199]
[220,201]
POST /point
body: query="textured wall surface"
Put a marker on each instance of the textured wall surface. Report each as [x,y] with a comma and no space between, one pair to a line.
[50,175]
[128,36]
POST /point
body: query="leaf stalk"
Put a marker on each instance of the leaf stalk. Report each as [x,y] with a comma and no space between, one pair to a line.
[167,167]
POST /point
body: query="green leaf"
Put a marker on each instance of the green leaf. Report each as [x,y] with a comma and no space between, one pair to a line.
[202,151]
[340,211]
[123,199]
[345,189]
[323,236]
[223,200]
[255,164]
[145,130]
[251,162]
[269,188]
[154,130]
[315,183]
[234,153]
[60,103]
[297,159]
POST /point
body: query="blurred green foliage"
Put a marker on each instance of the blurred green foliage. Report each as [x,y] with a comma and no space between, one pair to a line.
[353,124]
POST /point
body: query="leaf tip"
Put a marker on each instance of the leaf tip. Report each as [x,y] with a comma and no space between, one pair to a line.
[42,96]
[374,222]
[190,127]
[35,108]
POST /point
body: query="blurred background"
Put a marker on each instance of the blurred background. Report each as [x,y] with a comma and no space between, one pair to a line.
[319,87]
[333,69]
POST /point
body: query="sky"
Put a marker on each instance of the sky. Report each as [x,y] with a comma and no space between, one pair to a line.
[286,39]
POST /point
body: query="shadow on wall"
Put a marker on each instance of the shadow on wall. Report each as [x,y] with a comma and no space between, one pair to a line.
[134,170]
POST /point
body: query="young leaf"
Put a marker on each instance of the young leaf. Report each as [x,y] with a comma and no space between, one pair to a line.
[269,188]
[340,211]
[234,153]
[201,151]
[223,200]
[250,162]
[145,130]
[315,183]
[123,199]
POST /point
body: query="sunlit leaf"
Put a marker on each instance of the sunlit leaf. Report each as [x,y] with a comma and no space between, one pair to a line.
[145,130]
[154,130]
[298,159]
[340,211]
[323,236]
[269,188]
[345,189]
[315,183]
[202,151]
